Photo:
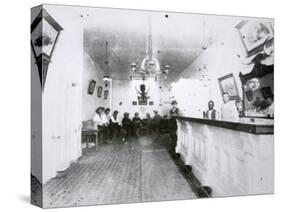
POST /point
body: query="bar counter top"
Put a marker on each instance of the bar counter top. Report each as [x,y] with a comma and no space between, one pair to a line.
[258,126]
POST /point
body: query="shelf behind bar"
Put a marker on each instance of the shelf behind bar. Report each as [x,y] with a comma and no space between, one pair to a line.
[254,128]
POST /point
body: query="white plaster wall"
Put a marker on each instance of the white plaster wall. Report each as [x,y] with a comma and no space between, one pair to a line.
[36,114]
[91,71]
[62,97]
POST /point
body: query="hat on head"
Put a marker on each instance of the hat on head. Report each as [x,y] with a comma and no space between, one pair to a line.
[174,102]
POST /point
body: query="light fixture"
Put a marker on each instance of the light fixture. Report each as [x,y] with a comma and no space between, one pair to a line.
[133,67]
[106,77]
[150,66]
[166,69]
[204,73]
[204,47]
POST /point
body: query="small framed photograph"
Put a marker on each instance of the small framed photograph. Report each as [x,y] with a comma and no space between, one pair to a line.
[91,87]
[99,93]
[254,34]
[106,94]
[151,103]
[228,85]
[134,102]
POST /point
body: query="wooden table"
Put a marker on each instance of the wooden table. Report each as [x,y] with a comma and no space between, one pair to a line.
[88,132]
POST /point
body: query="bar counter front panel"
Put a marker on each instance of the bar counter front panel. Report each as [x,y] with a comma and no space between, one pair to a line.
[233,158]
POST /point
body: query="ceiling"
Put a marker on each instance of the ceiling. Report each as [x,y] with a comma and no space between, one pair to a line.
[177,39]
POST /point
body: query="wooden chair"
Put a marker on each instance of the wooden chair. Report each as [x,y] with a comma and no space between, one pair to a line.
[88,132]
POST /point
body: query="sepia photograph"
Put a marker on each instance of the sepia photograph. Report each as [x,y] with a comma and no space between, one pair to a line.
[131,106]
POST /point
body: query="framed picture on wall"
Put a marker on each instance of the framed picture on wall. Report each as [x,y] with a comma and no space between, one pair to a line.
[228,85]
[254,34]
[106,94]
[151,103]
[134,102]
[91,87]
[99,93]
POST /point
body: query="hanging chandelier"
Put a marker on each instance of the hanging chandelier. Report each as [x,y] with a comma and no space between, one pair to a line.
[150,66]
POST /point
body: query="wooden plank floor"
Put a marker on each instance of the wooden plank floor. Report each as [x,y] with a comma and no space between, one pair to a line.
[141,170]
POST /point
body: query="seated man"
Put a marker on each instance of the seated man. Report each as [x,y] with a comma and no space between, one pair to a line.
[148,123]
[211,112]
[114,125]
[155,121]
[137,123]
[126,126]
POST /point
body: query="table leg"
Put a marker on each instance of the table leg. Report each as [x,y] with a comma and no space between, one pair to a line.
[97,141]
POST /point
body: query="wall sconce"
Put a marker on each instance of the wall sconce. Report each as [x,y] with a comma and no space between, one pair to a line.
[166,69]
[133,67]
[106,80]
[44,35]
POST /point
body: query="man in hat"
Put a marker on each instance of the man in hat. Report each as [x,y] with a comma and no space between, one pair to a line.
[173,122]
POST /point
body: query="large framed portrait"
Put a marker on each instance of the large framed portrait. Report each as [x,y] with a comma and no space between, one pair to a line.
[254,34]
[228,85]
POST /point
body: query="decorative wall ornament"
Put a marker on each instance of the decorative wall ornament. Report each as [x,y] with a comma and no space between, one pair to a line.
[142,99]
[259,70]
[44,35]
[228,85]
[91,87]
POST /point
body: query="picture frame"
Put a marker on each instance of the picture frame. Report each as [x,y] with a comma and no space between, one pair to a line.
[151,103]
[99,93]
[106,92]
[134,103]
[254,34]
[228,85]
[91,87]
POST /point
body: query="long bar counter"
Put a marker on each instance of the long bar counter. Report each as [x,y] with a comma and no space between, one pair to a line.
[232,158]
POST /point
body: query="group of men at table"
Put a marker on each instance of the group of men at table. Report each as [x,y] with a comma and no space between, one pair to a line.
[112,125]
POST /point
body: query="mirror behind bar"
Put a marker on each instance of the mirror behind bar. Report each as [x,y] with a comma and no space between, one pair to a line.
[258,91]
